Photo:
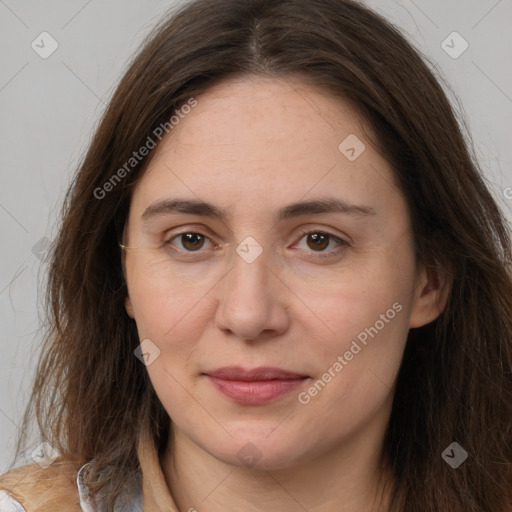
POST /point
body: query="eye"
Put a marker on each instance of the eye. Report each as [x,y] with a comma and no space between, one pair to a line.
[190,241]
[318,241]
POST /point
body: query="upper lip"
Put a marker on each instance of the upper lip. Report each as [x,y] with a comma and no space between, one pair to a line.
[254,374]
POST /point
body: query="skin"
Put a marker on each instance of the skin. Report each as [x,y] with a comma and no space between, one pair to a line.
[251,146]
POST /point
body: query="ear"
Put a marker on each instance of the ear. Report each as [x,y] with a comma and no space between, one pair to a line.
[129,307]
[431,294]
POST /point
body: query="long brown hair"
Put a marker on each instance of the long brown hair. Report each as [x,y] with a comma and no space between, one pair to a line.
[91,395]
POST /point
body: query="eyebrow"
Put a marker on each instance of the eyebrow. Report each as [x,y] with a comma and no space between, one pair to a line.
[202,208]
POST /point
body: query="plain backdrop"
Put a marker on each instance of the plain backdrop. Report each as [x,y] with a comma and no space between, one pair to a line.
[49,107]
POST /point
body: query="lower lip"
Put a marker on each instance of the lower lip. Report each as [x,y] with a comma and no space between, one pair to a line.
[255,392]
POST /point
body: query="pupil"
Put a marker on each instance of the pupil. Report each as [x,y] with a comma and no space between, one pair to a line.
[318,237]
[193,239]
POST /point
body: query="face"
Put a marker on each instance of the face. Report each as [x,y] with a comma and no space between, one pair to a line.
[301,261]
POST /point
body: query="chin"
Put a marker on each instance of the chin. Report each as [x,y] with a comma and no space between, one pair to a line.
[259,452]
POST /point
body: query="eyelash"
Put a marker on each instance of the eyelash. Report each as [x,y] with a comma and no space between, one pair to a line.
[318,254]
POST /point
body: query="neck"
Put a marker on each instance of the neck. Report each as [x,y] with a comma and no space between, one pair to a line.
[346,479]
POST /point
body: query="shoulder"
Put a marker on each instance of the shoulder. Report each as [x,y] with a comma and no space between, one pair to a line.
[40,489]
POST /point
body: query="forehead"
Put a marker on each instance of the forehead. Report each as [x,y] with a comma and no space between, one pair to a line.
[260,140]
[274,112]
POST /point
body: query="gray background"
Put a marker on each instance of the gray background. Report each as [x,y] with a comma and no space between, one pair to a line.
[50,107]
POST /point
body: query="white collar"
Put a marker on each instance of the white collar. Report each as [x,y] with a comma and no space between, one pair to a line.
[87,504]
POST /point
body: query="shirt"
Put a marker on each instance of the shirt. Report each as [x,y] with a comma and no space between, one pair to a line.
[152,494]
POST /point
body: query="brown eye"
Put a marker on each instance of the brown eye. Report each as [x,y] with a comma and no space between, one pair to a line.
[192,241]
[318,241]
[189,241]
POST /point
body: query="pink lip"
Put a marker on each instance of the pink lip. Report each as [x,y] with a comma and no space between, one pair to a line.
[256,386]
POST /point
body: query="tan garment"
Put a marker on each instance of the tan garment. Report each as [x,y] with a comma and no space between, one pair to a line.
[38,489]
[54,489]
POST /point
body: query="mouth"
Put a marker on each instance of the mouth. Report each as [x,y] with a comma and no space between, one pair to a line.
[256,386]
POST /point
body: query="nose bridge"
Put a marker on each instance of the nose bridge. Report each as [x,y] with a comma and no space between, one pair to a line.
[249,276]
[249,303]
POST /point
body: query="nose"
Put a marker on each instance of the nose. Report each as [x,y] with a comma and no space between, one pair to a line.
[252,301]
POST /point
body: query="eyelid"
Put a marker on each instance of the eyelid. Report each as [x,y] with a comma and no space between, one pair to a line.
[343,243]
[342,237]
[167,241]
[201,229]
[188,228]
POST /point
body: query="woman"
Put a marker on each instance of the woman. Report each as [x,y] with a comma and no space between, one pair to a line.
[280,282]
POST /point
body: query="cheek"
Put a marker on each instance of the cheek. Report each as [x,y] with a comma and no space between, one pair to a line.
[361,325]
[342,305]
[164,301]
[356,367]
[174,321]
[364,346]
